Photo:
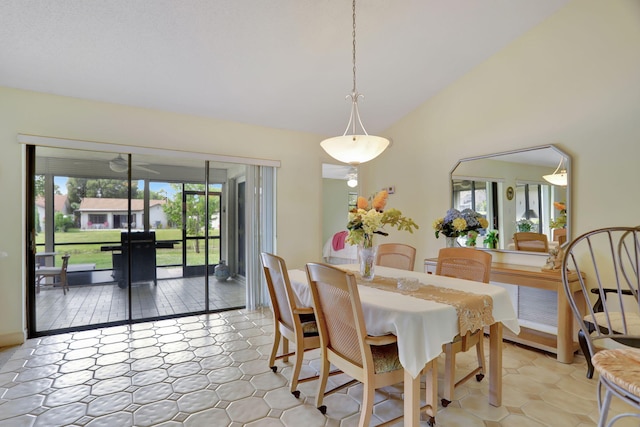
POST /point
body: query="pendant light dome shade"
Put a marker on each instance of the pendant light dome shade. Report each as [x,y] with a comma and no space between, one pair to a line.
[355,149]
[559,176]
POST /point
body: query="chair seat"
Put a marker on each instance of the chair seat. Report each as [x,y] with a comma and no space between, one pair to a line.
[621,367]
[615,317]
[385,358]
[48,271]
[310,329]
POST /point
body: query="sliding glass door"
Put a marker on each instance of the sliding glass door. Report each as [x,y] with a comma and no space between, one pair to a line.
[144,233]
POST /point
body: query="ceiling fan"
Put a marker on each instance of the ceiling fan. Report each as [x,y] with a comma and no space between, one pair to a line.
[120,165]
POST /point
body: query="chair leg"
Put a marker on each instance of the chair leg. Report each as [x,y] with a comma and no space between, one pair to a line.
[274,349]
[368,396]
[604,404]
[584,347]
[297,366]
[325,366]
[449,374]
[285,349]
[480,354]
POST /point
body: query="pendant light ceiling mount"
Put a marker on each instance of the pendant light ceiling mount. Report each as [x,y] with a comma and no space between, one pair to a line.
[355,148]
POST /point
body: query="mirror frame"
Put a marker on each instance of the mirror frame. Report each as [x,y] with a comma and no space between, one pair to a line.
[560,152]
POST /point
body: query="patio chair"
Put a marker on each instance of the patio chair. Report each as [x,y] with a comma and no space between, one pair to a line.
[291,321]
[396,255]
[610,258]
[468,264]
[371,360]
[58,274]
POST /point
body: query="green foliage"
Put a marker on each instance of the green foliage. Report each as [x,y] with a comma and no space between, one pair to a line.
[63,222]
[491,239]
[524,225]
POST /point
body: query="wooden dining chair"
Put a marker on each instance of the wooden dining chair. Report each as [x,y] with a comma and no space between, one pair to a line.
[607,262]
[396,255]
[371,360]
[58,275]
[532,242]
[292,322]
[468,264]
[559,235]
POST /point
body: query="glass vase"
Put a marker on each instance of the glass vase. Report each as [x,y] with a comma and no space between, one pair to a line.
[366,259]
[451,242]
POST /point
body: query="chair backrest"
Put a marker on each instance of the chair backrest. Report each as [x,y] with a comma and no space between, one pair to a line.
[65,265]
[339,313]
[396,255]
[607,262]
[532,242]
[464,263]
[282,296]
[560,235]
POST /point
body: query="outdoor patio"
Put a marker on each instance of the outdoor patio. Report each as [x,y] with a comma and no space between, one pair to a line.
[106,302]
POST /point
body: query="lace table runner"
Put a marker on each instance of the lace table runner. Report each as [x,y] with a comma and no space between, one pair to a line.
[474,310]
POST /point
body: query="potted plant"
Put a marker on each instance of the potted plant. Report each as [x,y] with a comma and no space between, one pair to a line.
[524,225]
[491,239]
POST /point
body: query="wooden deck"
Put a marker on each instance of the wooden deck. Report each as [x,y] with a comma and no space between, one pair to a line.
[106,302]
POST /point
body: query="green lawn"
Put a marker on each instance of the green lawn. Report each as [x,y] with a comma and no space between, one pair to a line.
[84,247]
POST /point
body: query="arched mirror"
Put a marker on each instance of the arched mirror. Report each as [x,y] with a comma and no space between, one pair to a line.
[520,190]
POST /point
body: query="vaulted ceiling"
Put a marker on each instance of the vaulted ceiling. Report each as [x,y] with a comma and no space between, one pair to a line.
[278,63]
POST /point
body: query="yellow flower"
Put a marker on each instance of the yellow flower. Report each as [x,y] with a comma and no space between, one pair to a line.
[437,224]
[483,222]
[380,200]
[459,224]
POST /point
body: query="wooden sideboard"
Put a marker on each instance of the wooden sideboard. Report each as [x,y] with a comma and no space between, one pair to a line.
[562,344]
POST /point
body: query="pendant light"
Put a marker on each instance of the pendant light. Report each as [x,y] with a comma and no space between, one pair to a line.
[559,176]
[352,177]
[355,148]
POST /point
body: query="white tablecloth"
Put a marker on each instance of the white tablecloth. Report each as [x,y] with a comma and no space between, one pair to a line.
[422,326]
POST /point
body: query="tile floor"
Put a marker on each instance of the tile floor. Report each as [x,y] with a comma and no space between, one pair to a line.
[211,370]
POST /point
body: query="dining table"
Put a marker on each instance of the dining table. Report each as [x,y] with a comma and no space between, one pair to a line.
[422,325]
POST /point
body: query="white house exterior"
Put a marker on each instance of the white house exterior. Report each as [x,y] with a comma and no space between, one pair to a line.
[101,213]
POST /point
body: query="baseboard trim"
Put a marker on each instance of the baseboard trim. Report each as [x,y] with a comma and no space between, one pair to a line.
[13,338]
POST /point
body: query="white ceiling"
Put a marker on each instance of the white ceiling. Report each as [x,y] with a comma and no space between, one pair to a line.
[277,63]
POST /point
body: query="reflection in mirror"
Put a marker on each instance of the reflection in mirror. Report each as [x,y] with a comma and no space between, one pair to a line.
[509,190]
[338,198]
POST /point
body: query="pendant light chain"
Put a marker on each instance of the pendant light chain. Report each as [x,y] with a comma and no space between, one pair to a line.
[354,47]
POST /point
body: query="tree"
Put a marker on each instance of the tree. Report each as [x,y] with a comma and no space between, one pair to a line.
[195,210]
[39,186]
[63,222]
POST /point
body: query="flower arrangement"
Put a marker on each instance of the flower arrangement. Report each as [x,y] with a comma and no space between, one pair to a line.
[369,217]
[456,223]
[471,238]
[561,220]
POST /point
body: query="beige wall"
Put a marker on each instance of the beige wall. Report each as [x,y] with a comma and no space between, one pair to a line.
[573,81]
[47,115]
